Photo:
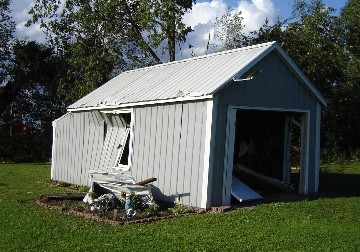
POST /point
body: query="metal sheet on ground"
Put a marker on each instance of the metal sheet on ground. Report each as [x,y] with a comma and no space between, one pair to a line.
[242,192]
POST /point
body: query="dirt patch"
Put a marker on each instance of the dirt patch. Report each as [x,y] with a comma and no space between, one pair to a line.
[113,217]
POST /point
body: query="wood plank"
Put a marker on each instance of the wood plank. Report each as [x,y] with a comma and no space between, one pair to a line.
[268,180]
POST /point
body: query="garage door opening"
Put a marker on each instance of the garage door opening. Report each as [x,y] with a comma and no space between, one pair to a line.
[265,154]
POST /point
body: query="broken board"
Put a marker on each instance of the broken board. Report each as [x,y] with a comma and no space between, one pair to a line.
[242,192]
[268,180]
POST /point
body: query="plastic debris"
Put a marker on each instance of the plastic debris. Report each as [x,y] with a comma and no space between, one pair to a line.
[105,202]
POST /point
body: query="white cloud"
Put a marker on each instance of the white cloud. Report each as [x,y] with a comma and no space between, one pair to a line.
[33,32]
[202,13]
[255,13]
[203,16]
[20,16]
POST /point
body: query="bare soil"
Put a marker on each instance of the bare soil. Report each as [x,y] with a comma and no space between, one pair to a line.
[114,217]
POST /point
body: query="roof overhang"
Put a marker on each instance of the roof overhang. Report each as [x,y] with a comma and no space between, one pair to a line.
[144,103]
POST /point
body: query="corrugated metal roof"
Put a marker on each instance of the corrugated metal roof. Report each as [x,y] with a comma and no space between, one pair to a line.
[198,76]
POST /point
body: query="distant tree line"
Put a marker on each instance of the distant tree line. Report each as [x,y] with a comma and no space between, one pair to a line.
[90,42]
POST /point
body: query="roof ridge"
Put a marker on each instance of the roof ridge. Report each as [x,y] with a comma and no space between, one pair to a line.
[203,56]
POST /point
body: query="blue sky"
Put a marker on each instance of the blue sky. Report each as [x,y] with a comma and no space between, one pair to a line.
[201,18]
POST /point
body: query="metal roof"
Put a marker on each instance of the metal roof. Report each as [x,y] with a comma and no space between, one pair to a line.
[198,77]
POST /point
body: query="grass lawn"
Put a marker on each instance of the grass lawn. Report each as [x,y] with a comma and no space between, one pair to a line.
[331,223]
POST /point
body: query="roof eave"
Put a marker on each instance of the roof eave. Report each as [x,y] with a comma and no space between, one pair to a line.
[143,103]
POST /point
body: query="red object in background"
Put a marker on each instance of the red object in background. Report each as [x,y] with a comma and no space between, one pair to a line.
[20,125]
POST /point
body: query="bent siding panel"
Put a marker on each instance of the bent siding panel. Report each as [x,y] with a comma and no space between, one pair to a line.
[113,139]
[169,145]
[77,139]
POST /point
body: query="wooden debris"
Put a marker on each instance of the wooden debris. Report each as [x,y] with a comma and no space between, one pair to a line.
[146,181]
[271,181]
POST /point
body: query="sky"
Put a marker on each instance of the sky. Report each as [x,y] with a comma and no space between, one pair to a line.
[201,18]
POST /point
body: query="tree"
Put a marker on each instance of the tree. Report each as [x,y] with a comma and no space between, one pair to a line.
[26,124]
[168,23]
[7,27]
[325,47]
[351,19]
[105,37]
[229,30]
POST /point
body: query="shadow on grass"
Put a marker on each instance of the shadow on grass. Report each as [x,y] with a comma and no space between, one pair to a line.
[334,184]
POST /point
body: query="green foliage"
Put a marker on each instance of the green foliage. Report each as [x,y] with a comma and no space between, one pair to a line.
[325,47]
[180,209]
[136,203]
[105,37]
[6,35]
[93,195]
[153,209]
[326,224]
[31,102]
[229,30]
[80,188]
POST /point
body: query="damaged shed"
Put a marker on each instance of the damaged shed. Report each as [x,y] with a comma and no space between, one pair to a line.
[196,125]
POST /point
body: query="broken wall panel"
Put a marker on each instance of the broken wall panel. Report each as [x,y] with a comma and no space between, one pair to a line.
[115,133]
[169,145]
[77,141]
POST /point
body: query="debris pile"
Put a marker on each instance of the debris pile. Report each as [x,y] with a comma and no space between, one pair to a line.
[109,191]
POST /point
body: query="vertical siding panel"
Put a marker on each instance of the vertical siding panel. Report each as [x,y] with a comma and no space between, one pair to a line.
[63,156]
[163,149]
[98,141]
[92,142]
[152,142]
[158,141]
[104,150]
[77,136]
[182,151]
[136,144]
[59,161]
[146,143]
[189,152]
[58,158]
[109,146]
[169,153]
[203,119]
[70,139]
[195,171]
[68,142]
[108,141]
[80,150]
[81,139]
[175,148]
[141,140]
[87,150]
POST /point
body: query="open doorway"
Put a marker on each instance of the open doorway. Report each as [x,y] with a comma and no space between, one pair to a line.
[262,147]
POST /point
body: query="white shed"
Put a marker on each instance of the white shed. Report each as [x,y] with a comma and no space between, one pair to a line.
[185,122]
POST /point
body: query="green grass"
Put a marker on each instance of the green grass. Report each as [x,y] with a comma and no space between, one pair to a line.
[325,224]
